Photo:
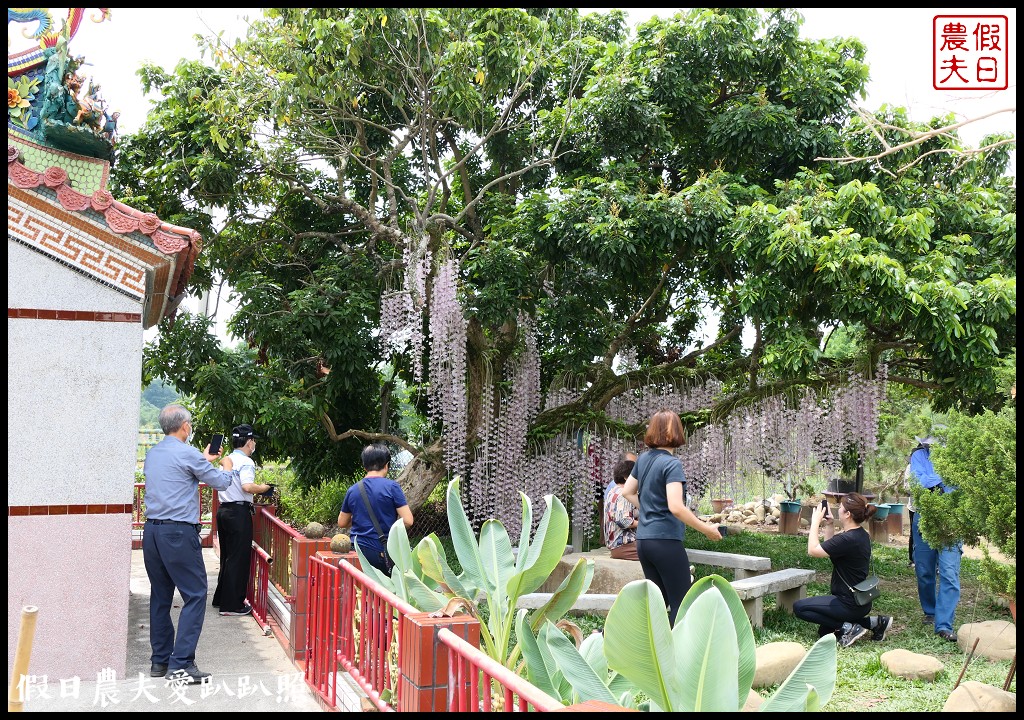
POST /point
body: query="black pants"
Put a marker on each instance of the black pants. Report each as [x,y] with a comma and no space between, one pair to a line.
[234,528]
[666,564]
[910,545]
[829,613]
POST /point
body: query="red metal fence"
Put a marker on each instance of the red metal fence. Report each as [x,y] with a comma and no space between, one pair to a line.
[274,537]
[258,593]
[368,633]
[477,683]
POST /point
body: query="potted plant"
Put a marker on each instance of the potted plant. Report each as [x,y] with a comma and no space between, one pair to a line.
[720,504]
[789,509]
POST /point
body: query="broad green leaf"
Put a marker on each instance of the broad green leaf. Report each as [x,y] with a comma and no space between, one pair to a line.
[545,551]
[537,671]
[638,643]
[592,650]
[464,539]
[707,655]
[746,645]
[583,678]
[435,566]
[496,554]
[565,595]
[421,596]
[374,574]
[817,669]
[401,554]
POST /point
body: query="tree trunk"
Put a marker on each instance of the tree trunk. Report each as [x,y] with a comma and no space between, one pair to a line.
[419,478]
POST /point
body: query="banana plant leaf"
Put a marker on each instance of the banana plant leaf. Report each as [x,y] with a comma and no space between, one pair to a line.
[707,655]
[464,540]
[816,673]
[545,550]
[538,672]
[434,562]
[585,681]
[744,633]
[496,555]
[565,595]
[638,643]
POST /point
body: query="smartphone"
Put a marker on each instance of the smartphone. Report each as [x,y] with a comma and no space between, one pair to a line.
[723,530]
[825,513]
[215,442]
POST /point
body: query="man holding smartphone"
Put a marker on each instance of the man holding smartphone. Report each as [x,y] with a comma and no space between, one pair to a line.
[234,525]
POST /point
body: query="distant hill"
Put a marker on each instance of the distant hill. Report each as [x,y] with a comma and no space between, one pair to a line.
[154,397]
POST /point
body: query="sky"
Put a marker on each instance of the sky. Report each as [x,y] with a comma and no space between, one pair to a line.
[898,40]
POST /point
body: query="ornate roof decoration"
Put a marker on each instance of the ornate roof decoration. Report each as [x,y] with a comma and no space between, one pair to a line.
[60,142]
[47,100]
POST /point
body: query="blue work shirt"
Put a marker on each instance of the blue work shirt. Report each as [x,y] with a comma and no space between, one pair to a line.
[386,497]
[654,470]
[173,472]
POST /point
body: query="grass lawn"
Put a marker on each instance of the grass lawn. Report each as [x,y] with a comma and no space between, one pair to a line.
[862,684]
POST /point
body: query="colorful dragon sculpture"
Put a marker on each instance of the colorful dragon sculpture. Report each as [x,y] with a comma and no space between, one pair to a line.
[46,32]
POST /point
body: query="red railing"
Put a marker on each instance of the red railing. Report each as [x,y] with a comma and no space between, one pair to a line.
[323,624]
[274,536]
[474,679]
[258,593]
[369,632]
[208,504]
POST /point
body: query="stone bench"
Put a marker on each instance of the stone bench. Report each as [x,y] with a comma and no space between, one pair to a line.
[591,603]
[743,566]
[789,585]
[611,575]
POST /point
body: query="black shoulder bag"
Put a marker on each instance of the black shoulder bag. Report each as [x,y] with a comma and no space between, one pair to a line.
[381,535]
[866,590]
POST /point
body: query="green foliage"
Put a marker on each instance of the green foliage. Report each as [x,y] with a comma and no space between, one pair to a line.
[705,662]
[612,187]
[490,568]
[302,505]
[979,459]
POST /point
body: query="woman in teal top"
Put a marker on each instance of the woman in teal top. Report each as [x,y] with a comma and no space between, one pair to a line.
[658,487]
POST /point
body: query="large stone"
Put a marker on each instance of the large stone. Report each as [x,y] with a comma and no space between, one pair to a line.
[751,520]
[759,512]
[775,661]
[910,665]
[973,696]
[610,575]
[997,639]
[754,701]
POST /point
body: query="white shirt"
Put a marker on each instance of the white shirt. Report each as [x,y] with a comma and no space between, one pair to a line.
[246,474]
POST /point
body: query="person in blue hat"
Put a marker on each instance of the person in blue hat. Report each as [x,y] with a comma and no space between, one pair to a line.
[937,569]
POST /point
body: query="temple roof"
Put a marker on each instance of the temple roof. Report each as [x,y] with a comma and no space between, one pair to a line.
[60,142]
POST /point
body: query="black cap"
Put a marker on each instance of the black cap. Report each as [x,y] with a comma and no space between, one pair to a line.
[244,432]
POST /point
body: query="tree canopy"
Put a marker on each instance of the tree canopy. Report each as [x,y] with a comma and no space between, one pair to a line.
[524,216]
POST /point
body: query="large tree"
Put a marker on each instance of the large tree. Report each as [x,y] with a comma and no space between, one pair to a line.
[525,215]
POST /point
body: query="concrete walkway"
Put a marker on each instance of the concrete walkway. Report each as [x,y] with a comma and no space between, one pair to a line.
[251,672]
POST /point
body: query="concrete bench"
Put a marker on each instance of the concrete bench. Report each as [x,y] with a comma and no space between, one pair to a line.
[743,566]
[591,603]
[611,575]
[789,585]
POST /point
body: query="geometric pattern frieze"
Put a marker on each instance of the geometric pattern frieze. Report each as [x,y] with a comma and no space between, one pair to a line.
[55,238]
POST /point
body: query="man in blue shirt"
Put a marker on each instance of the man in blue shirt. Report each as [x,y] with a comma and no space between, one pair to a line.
[386,503]
[171,547]
[937,569]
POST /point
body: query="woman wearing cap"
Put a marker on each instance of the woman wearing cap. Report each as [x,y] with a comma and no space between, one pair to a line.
[657,487]
[234,525]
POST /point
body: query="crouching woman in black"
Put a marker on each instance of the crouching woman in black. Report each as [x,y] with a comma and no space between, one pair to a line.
[850,553]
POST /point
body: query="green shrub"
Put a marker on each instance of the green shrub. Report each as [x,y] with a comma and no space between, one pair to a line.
[980,461]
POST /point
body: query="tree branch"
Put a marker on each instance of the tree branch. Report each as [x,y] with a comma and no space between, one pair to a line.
[372,437]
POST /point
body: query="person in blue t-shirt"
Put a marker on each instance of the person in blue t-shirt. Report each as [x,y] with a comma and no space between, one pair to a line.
[937,569]
[657,487]
[374,497]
